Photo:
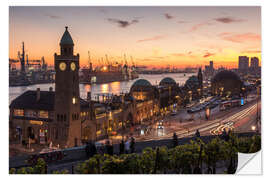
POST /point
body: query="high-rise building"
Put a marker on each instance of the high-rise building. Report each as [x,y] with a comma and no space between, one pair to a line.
[211,65]
[254,62]
[200,79]
[243,62]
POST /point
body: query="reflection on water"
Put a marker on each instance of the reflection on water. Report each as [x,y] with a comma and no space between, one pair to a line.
[113,87]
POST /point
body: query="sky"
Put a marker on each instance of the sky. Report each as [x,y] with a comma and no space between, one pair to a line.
[179,36]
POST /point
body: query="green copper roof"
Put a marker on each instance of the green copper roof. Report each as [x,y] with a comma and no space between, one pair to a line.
[141,85]
[142,82]
[66,38]
[167,81]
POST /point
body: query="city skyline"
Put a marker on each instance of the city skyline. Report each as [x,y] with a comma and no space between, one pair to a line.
[153,36]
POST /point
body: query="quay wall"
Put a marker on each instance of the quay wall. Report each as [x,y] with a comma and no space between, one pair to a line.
[78,153]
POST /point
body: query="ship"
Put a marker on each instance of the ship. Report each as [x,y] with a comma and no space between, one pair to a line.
[106,73]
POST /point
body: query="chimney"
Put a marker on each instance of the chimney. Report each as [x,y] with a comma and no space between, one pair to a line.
[89,96]
[38,94]
[50,89]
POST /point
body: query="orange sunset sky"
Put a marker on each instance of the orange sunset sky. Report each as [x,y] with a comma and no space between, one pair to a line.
[153,36]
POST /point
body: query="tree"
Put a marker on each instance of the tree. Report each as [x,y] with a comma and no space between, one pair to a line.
[175,140]
[132,145]
[212,152]
[147,160]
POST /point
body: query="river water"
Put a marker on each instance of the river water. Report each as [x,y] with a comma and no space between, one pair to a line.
[113,87]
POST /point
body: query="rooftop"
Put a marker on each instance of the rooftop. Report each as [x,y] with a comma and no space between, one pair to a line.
[66,38]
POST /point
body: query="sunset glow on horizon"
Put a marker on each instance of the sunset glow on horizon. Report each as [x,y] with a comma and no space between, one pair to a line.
[153,36]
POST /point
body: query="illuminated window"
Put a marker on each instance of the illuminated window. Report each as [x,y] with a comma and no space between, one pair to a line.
[30,113]
[43,114]
[18,112]
[73,100]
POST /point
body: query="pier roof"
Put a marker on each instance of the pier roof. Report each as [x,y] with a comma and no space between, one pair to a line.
[28,100]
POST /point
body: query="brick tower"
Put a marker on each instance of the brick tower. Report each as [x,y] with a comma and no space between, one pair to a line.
[67,94]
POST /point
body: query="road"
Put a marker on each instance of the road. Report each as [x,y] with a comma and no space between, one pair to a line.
[239,119]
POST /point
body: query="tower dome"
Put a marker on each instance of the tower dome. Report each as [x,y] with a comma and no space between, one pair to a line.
[167,81]
[141,85]
[66,38]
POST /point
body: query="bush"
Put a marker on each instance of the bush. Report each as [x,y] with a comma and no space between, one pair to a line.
[185,159]
[147,161]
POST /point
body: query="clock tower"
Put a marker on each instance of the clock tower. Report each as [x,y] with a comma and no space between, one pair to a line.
[67,124]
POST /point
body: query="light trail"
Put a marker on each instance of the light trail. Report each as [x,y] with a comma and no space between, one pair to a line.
[234,118]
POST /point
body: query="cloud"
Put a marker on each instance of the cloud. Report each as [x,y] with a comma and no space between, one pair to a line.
[189,54]
[103,11]
[154,38]
[181,22]
[123,23]
[228,20]
[168,16]
[240,38]
[251,51]
[178,54]
[199,26]
[208,54]
[52,16]
[146,59]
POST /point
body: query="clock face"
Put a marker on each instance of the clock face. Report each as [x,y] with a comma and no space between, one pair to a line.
[62,66]
[73,66]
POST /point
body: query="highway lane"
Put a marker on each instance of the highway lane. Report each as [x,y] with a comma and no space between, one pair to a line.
[236,120]
[213,127]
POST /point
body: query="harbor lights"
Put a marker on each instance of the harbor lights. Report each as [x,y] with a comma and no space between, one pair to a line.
[104,68]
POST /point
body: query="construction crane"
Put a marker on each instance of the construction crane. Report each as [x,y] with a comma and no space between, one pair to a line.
[89,62]
[89,59]
[125,59]
[133,64]
[107,61]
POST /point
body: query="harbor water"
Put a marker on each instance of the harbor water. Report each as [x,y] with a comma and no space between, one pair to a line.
[113,87]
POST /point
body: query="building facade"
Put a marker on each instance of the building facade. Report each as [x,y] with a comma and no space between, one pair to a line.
[254,62]
[243,63]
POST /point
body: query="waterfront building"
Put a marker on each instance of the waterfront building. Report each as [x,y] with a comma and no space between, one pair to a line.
[192,87]
[146,101]
[226,83]
[169,97]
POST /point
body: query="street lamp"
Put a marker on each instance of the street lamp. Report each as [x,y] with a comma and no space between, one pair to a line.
[253,128]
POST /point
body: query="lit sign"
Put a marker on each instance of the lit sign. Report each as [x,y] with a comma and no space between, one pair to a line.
[242,101]
[36,122]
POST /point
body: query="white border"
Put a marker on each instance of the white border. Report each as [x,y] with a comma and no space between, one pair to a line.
[265,65]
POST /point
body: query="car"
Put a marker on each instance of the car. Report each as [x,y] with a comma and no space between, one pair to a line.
[160,125]
[229,123]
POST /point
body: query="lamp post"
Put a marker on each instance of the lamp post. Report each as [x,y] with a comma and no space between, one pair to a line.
[257,117]
[122,119]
